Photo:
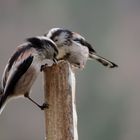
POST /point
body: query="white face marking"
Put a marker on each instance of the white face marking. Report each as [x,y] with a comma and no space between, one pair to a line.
[52,31]
[61,38]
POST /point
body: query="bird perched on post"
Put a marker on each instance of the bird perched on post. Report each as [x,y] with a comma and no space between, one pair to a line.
[23,68]
[75,49]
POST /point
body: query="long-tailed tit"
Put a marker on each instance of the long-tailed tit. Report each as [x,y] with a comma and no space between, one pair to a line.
[23,68]
[74,48]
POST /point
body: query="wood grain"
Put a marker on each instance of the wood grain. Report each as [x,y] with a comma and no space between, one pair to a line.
[59,89]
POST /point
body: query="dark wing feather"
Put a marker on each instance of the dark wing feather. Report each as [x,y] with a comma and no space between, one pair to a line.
[21,53]
[17,74]
[85,43]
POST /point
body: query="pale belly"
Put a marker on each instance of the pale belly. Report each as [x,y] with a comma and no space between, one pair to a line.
[26,81]
[78,56]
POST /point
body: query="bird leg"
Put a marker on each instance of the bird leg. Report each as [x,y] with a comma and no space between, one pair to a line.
[42,107]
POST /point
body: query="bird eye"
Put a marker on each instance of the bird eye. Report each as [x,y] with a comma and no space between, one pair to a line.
[55,40]
[78,41]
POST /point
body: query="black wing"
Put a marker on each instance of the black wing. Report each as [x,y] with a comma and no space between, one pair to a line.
[21,53]
[85,43]
[17,74]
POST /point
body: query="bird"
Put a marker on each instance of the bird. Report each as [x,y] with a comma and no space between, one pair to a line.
[75,49]
[23,68]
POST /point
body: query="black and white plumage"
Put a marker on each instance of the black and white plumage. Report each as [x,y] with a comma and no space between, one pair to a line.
[23,68]
[74,48]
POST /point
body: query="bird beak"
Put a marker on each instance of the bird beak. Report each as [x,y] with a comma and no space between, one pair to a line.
[55,61]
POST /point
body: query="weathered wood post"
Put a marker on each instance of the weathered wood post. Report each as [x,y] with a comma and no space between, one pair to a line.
[59,89]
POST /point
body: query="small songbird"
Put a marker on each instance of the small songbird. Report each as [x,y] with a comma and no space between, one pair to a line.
[74,48]
[23,68]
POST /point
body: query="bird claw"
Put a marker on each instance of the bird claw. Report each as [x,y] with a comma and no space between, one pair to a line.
[44,106]
[43,67]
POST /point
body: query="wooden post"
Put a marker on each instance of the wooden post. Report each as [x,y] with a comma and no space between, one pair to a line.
[61,117]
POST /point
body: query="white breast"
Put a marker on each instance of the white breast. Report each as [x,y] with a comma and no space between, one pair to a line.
[78,54]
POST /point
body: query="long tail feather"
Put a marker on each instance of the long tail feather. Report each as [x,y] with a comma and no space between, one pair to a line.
[3,99]
[103,61]
[1,89]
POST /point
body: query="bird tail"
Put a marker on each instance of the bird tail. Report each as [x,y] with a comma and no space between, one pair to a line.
[103,61]
[1,89]
[3,99]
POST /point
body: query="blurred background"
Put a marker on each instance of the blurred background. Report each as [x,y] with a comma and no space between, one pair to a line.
[108,100]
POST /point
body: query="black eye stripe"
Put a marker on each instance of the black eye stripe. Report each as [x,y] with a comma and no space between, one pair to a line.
[84,43]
